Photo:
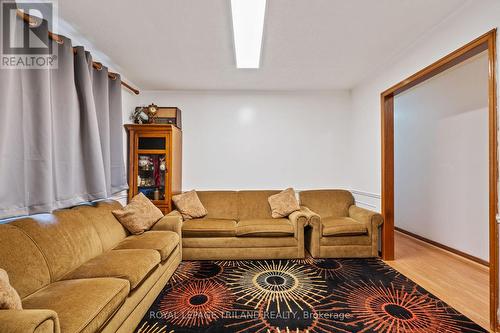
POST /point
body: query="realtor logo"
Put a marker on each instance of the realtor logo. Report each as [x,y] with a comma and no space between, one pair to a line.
[25,42]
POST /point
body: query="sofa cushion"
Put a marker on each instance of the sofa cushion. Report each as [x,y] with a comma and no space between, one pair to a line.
[254,205]
[238,242]
[209,228]
[343,226]
[9,298]
[162,241]
[265,228]
[139,215]
[23,261]
[189,205]
[66,238]
[283,203]
[109,229]
[220,204]
[358,240]
[81,305]
[131,265]
[334,203]
[139,300]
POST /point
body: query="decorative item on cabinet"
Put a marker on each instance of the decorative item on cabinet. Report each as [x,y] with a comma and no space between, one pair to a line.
[168,115]
[154,114]
[155,162]
[139,116]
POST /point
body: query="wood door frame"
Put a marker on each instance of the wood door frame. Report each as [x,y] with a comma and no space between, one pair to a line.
[483,43]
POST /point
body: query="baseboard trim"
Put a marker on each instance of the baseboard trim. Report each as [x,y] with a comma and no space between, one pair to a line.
[444,247]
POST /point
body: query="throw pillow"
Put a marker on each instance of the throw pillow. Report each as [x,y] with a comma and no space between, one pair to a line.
[139,215]
[283,203]
[189,205]
[9,298]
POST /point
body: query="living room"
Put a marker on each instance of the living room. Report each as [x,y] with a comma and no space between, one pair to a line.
[249,166]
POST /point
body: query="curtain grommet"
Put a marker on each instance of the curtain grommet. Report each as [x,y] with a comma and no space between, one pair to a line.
[58,39]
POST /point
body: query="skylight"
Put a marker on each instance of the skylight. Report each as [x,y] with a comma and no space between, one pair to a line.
[248,27]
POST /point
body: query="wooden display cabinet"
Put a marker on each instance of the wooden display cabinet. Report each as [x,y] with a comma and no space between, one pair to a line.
[155,163]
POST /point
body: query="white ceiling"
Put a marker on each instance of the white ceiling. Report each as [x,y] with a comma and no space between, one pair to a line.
[307,45]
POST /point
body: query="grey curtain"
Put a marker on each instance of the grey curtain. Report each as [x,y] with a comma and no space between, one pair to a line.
[61,137]
[117,166]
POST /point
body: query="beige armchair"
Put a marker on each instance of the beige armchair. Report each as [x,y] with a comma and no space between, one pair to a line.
[337,228]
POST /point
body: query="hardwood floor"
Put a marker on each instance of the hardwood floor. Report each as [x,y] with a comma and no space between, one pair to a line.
[461,283]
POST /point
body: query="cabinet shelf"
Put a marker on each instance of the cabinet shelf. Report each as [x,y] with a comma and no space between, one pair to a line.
[152,151]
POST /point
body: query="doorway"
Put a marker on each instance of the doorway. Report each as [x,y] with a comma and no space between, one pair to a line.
[485,43]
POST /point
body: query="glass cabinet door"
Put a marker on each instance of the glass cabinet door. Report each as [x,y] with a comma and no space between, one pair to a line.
[152,167]
[151,175]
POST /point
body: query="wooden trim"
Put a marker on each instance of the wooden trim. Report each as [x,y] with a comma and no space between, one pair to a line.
[493,175]
[465,52]
[148,127]
[388,177]
[444,247]
[176,161]
[484,42]
[58,39]
[152,151]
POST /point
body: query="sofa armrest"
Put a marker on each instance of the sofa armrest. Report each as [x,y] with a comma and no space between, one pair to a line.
[314,232]
[313,219]
[170,222]
[175,212]
[29,321]
[370,218]
[299,222]
[372,221]
[298,219]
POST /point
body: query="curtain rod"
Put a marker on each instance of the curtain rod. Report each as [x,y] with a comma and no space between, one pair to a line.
[31,20]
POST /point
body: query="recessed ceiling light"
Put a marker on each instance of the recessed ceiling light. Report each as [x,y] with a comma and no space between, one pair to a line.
[248,27]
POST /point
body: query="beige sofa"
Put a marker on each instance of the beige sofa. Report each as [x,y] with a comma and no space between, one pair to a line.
[78,270]
[337,228]
[239,226]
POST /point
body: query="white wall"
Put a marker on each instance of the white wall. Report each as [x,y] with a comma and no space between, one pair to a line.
[129,102]
[473,20]
[261,140]
[441,158]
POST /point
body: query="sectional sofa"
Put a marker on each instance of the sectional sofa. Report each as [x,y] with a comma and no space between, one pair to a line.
[78,270]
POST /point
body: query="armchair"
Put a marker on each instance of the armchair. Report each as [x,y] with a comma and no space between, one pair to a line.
[337,228]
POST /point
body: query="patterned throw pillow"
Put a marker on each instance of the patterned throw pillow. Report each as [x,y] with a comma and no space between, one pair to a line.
[139,215]
[283,203]
[9,298]
[189,205]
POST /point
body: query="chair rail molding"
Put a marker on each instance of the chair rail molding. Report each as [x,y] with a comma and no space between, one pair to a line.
[367,194]
[367,200]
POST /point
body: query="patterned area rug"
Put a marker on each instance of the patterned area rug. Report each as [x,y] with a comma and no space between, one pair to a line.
[302,296]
